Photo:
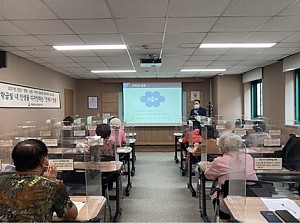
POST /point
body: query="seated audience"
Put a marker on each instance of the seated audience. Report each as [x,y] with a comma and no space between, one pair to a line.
[32,193]
[257,138]
[232,163]
[107,149]
[196,138]
[211,143]
[68,121]
[115,126]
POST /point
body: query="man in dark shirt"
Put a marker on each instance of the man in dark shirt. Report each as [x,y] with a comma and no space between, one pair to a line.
[197,110]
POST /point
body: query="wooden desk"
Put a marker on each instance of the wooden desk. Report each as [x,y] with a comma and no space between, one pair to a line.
[262,151]
[126,152]
[250,211]
[109,168]
[177,135]
[93,205]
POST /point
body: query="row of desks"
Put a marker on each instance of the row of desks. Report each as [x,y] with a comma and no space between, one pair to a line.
[107,167]
[283,175]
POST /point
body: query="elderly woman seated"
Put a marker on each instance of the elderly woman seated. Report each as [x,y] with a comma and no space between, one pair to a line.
[233,164]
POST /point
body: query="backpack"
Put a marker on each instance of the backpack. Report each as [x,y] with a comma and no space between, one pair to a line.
[290,153]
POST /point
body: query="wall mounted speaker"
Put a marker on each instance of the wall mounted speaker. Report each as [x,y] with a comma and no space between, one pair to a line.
[2,59]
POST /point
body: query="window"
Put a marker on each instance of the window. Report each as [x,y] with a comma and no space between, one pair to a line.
[297,96]
[256,99]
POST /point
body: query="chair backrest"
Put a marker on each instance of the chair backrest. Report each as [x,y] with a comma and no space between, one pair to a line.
[254,188]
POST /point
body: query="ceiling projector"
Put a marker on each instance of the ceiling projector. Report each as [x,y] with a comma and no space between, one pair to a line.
[150,62]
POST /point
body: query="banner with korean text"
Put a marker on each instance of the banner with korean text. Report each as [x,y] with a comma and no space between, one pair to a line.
[17,96]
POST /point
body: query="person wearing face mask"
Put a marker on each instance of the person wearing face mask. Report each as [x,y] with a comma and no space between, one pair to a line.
[197,110]
[32,193]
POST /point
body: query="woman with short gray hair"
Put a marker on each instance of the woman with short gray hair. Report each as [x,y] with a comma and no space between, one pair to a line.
[233,163]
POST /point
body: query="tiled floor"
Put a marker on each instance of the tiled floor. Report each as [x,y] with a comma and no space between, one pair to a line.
[159,193]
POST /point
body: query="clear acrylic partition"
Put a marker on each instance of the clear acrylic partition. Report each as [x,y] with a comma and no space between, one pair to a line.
[115,142]
[46,129]
[79,128]
[28,129]
[278,134]
[219,123]
[129,129]
[6,146]
[91,124]
[203,145]
[237,158]
[258,133]
[93,183]
[190,134]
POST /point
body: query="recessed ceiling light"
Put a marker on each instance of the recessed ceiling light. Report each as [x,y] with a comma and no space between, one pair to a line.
[236,45]
[112,71]
[91,47]
[202,70]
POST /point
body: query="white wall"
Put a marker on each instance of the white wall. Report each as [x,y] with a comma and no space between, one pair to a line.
[24,72]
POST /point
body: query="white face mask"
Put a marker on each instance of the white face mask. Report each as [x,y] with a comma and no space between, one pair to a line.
[196,106]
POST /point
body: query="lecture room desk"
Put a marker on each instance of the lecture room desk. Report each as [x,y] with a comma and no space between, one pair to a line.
[131,142]
[106,167]
[90,210]
[253,207]
[282,175]
[177,135]
[126,152]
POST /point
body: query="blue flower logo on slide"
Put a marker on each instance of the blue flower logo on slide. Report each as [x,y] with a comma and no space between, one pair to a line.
[152,99]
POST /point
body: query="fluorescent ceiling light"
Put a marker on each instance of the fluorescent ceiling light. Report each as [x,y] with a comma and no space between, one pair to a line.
[112,71]
[202,70]
[91,47]
[236,45]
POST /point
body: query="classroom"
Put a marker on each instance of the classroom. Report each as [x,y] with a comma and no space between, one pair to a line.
[240,58]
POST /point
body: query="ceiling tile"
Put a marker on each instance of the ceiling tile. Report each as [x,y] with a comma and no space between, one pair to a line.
[92,26]
[264,37]
[60,39]
[178,51]
[43,26]
[139,8]
[197,8]
[198,62]
[141,25]
[24,9]
[238,24]
[80,59]
[39,53]
[282,23]
[183,38]
[255,7]
[225,37]
[21,41]
[79,9]
[292,9]
[109,39]
[8,28]
[142,38]
[293,38]
[181,25]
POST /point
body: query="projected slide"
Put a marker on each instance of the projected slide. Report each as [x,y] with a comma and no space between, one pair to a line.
[152,104]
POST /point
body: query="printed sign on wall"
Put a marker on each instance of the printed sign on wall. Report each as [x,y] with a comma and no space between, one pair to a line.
[17,96]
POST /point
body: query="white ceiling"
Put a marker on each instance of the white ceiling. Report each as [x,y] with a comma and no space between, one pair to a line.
[171,29]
